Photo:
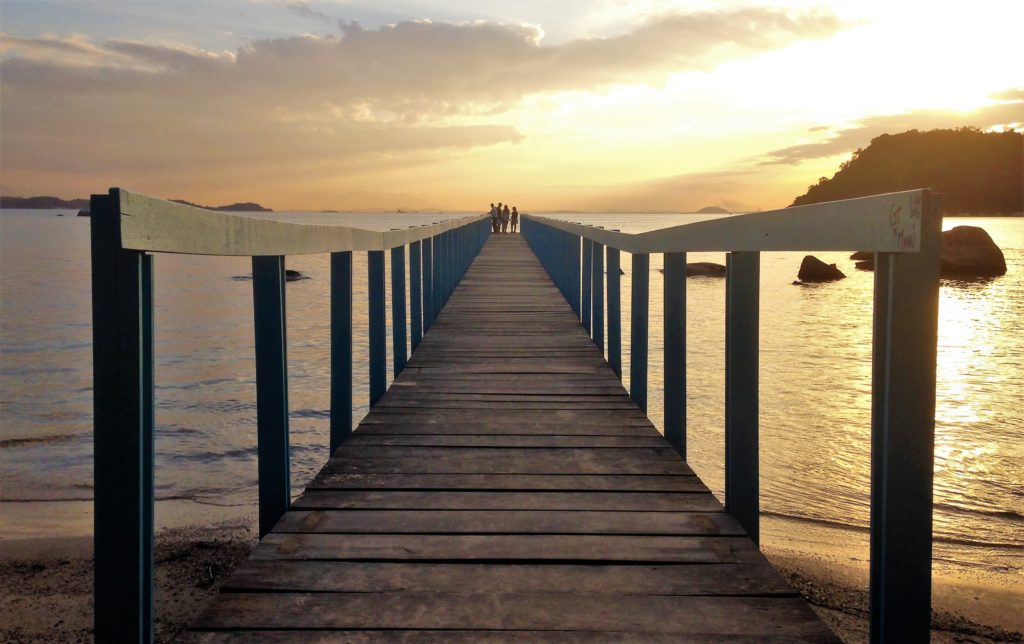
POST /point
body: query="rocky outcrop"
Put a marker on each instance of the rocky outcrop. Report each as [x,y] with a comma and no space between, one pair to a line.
[705,269]
[294,276]
[968,251]
[813,269]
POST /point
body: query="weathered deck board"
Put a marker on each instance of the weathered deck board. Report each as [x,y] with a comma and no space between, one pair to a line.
[505,489]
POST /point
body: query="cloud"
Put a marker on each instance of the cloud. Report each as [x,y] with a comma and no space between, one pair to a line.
[859,136]
[366,99]
[303,9]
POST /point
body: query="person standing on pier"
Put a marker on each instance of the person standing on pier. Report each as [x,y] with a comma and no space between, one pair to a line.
[494,218]
[504,219]
[515,219]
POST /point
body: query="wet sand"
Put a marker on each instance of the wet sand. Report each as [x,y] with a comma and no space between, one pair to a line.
[48,583]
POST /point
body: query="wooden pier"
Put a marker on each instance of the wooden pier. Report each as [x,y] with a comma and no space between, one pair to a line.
[507,489]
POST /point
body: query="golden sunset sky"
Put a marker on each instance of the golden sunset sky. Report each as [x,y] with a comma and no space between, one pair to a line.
[632,105]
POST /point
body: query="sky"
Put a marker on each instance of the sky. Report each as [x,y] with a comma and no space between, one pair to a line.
[630,105]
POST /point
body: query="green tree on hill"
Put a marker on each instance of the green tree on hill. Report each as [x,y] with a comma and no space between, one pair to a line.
[977,172]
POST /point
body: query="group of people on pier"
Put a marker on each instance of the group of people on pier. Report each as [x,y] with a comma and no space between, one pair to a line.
[501,218]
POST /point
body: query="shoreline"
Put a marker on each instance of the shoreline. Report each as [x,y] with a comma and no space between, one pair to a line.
[48,583]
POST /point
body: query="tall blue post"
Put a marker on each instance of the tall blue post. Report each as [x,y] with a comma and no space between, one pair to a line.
[742,483]
[675,351]
[415,294]
[903,434]
[597,301]
[638,330]
[378,325]
[268,301]
[122,304]
[587,276]
[614,312]
[428,283]
[574,274]
[341,348]
[399,346]
[438,281]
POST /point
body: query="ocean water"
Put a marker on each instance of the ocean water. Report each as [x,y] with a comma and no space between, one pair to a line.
[815,388]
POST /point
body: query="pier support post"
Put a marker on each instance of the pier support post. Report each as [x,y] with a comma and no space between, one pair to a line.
[597,300]
[378,325]
[415,294]
[574,274]
[268,297]
[587,275]
[675,351]
[614,312]
[341,348]
[122,312]
[638,330]
[428,283]
[399,348]
[903,434]
[742,483]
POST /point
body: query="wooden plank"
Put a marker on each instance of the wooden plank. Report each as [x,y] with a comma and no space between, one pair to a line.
[334,636]
[473,500]
[550,430]
[497,465]
[468,578]
[507,522]
[520,547]
[335,479]
[626,613]
[493,441]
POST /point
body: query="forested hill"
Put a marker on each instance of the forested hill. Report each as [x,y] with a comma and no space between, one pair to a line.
[977,172]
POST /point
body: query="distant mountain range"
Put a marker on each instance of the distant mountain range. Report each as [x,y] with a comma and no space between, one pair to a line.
[977,172]
[55,203]
[42,203]
[244,206]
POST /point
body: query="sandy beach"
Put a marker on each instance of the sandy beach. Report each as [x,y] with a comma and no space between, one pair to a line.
[47,586]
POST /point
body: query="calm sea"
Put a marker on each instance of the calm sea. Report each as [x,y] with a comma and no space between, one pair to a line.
[815,386]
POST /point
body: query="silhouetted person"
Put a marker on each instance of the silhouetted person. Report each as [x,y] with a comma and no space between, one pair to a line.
[504,219]
[515,218]
[494,218]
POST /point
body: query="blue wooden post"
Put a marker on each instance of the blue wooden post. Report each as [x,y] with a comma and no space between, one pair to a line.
[574,274]
[268,300]
[341,348]
[903,435]
[597,301]
[742,483]
[638,330]
[436,287]
[675,351]
[123,429]
[428,283]
[378,325]
[415,294]
[587,276]
[399,346]
[614,312]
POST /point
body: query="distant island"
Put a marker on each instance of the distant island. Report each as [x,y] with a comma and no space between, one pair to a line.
[245,206]
[55,203]
[43,203]
[978,173]
[713,210]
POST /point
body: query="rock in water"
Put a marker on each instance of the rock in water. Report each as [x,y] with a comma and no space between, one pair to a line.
[707,269]
[813,269]
[294,276]
[863,255]
[968,251]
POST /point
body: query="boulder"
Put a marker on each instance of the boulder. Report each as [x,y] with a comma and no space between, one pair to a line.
[866,265]
[862,255]
[706,269]
[813,269]
[968,251]
[294,276]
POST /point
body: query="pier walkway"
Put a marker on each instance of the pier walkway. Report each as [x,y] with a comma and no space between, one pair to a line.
[506,488]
